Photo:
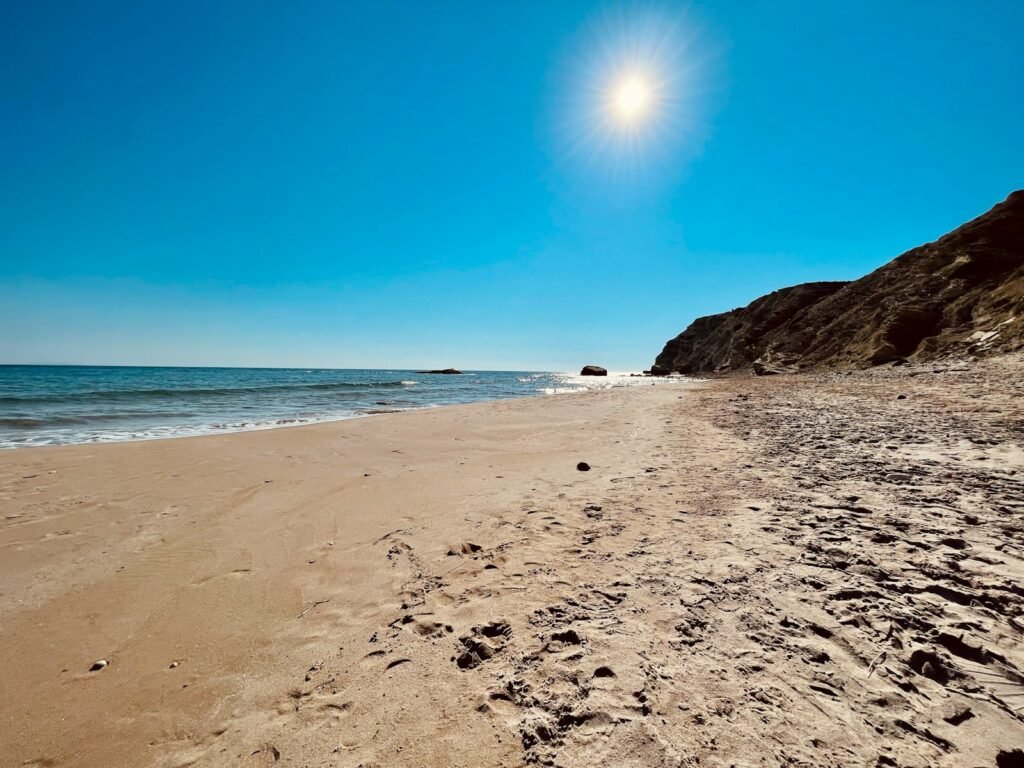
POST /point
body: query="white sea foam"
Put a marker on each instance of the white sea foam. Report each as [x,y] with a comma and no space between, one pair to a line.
[164,432]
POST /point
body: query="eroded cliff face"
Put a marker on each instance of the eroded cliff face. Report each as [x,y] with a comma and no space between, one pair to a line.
[962,294]
[735,339]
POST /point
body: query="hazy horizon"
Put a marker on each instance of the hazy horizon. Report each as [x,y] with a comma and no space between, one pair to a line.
[403,369]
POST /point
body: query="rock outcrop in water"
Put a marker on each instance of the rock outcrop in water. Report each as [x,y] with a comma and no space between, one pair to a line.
[593,370]
[446,371]
[962,294]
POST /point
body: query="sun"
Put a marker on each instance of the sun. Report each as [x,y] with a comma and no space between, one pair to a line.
[631,98]
[632,92]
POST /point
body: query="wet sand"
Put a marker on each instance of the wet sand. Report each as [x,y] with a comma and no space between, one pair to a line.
[805,570]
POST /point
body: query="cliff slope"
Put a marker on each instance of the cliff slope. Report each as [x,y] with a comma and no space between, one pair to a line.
[963,293]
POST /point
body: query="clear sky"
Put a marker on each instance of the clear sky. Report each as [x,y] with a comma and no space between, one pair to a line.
[406,184]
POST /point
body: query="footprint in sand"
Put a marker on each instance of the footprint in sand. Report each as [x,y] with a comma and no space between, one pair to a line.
[424,627]
[464,548]
[482,644]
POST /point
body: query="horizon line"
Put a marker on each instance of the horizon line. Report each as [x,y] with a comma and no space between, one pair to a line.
[292,367]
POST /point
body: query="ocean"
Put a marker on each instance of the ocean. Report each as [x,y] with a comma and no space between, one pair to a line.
[54,405]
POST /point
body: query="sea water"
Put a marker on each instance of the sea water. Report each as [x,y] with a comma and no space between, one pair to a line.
[51,405]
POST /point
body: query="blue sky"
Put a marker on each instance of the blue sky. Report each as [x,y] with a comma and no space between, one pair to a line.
[409,184]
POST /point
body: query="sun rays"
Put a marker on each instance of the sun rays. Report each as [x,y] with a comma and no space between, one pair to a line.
[631,95]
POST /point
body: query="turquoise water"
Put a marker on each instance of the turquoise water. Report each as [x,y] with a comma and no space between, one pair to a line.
[52,405]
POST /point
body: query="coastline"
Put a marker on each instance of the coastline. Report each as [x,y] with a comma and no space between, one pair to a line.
[73,405]
[706,591]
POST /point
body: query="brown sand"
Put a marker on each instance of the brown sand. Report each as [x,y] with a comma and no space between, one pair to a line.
[799,570]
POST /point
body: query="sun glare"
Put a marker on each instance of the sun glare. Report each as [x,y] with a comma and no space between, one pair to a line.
[633,91]
[631,98]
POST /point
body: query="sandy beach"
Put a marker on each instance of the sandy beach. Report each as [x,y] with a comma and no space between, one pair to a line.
[810,570]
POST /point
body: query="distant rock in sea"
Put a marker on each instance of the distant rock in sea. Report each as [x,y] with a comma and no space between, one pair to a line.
[960,295]
[447,371]
[593,370]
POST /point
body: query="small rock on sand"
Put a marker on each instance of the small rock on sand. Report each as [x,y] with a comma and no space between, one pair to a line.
[583,466]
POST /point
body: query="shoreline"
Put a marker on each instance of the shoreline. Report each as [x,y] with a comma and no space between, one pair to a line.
[304,425]
[447,589]
[186,430]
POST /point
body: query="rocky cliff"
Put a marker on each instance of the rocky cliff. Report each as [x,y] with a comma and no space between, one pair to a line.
[964,293]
